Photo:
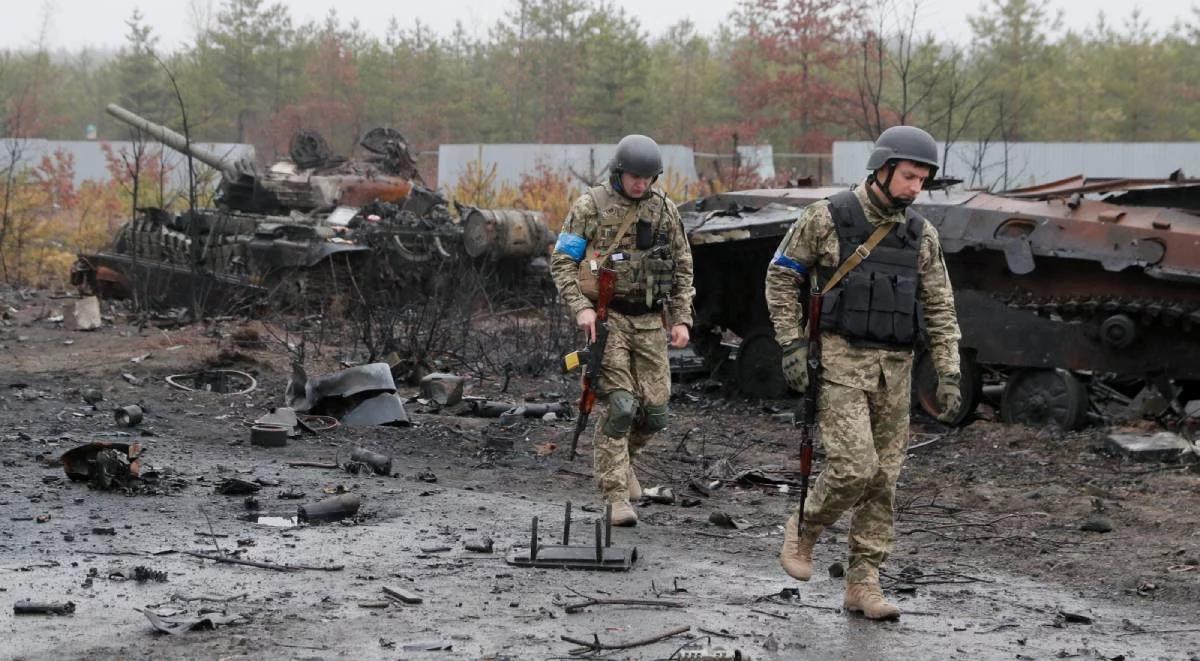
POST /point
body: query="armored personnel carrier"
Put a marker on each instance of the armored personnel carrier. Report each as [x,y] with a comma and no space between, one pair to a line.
[295,230]
[1057,287]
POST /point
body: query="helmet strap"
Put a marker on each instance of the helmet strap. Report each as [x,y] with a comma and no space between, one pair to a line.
[885,187]
[614,179]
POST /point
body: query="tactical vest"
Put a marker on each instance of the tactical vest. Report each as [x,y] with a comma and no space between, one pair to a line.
[875,305]
[643,261]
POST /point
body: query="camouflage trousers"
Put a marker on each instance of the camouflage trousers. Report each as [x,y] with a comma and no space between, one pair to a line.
[635,361]
[865,436]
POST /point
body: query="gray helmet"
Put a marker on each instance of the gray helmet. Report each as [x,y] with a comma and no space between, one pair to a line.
[638,155]
[905,143]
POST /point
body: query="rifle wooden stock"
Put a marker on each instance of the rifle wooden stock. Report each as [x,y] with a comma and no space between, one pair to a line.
[808,426]
[595,355]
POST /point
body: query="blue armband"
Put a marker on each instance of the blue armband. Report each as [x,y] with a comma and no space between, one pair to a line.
[788,263]
[571,245]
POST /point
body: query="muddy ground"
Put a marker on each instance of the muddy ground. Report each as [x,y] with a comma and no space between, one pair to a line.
[990,561]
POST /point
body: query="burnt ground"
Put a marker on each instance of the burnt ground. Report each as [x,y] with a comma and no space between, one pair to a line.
[990,562]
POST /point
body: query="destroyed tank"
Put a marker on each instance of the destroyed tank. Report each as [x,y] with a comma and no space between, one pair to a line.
[1076,286]
[296,229]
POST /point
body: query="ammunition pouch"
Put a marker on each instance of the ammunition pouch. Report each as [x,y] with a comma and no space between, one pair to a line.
[874,305]
[659,270]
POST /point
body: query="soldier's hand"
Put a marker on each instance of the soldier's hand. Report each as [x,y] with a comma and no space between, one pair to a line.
[795,365]
[949,397]
[586,320]
[679,336]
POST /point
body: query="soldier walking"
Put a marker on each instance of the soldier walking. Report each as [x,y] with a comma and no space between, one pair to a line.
[869,327]
[633,228]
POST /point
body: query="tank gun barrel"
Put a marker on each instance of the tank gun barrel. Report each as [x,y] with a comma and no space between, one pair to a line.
[173,140]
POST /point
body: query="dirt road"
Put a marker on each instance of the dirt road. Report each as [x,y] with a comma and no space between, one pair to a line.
[990,561]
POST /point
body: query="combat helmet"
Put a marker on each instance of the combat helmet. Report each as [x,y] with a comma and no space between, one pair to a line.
[902,143]
[638,155]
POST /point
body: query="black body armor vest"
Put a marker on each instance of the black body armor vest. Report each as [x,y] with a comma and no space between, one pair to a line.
[875,305]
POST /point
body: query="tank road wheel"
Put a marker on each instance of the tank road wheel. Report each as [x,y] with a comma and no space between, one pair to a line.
[759,367]
[1042,397]
[925,383]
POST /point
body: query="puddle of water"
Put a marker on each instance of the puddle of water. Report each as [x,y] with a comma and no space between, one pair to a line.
[279,521]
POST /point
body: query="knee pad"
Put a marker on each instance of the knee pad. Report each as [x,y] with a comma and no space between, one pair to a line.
[653,419]
[622,409]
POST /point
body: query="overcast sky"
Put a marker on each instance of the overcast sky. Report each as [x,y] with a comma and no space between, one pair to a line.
[75,23]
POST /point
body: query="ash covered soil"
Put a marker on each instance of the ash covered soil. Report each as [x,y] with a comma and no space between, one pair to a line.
[991,559]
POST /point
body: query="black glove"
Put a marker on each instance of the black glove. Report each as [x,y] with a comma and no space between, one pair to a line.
[795,365]
[949,397]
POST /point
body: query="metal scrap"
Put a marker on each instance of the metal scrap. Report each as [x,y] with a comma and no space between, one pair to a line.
[363,395]
[176,626]
[43,608]
[223,381]
[104,465]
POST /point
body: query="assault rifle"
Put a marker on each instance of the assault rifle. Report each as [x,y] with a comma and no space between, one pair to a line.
[808,425]
[592,356]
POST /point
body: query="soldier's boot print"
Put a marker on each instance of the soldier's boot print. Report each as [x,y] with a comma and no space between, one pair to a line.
[635,487]
[867,598]
[796,555]
[623,514]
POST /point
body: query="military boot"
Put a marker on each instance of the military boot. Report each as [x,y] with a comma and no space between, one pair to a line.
[796,555]
[867,598]
[623,514]
[635,487]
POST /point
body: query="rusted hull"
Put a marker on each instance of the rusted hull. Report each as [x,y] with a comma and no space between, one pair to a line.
[1041,283]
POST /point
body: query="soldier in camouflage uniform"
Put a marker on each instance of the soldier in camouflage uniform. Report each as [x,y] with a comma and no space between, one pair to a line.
[654,288]
[869,327]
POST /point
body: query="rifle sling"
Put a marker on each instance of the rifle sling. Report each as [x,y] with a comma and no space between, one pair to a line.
[860,253]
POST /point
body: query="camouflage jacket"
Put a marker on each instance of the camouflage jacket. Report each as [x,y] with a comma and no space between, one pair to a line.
[813,241]
[588,232]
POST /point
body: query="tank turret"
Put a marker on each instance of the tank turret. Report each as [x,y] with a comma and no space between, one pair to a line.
[312,180]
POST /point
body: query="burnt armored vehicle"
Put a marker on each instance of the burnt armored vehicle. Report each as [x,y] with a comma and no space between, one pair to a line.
[1073,283]
[296,230]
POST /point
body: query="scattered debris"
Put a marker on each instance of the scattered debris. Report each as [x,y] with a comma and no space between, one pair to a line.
[578,607]
[176,626]
[269,435]
[341,394]
[433,646]
[381,464]
[330,509]
[599,555]
[597,646]
[444,389]
[83,315]
[222,381]
[403,596]
[142,574]
[385,409]
[128,416]
[285,417]
[704,487]
[482,544]
[234,486]
[132,380]
[262,565]
[661,495]
[1068,617]
[1161,446]
[43,608]
[723,520]
[279,521]
[104,465]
